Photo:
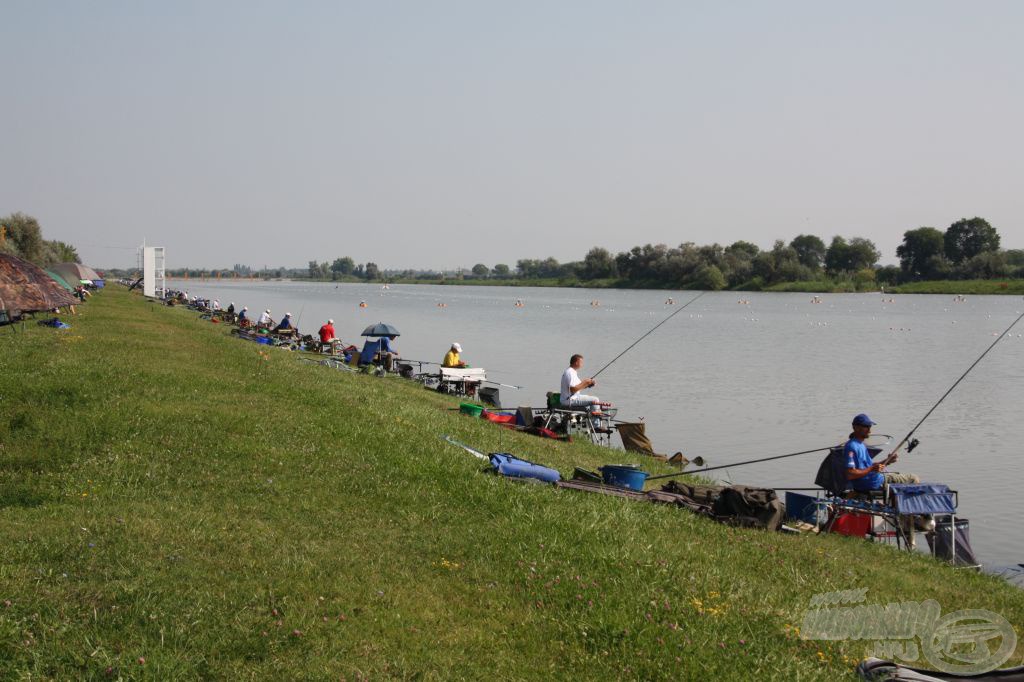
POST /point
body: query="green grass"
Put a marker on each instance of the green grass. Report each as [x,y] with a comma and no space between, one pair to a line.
[166,493]
[970,286]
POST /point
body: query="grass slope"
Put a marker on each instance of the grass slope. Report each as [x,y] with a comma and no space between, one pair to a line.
[168,495]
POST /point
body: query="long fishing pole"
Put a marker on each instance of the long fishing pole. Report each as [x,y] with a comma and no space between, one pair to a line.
[955,384]
[648,333]
[737,464]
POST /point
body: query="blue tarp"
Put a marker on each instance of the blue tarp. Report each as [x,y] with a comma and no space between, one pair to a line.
[923,498]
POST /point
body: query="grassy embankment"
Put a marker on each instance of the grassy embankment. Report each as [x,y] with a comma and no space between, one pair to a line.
[175,505]
[966,287]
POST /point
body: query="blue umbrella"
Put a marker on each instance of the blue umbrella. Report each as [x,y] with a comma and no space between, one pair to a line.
[380,329]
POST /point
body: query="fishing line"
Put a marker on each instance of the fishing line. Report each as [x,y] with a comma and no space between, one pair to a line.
[955,384]
[648,333]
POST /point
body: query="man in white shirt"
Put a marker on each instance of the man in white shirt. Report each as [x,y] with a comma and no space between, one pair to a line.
[572,386]
[265,320]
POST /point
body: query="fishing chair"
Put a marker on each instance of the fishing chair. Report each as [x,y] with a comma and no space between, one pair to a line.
[578,420]
[899,506]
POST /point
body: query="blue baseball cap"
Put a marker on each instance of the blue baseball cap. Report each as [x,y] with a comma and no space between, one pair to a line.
[862,420]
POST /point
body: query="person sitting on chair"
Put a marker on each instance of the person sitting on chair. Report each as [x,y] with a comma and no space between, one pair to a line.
[452,359]
[863,473]
[265,319]
[243,319]
[327,332]
[572,386]
[380,346]
[285,325]
[231,308]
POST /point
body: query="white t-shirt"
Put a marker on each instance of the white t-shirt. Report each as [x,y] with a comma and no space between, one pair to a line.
[569,379]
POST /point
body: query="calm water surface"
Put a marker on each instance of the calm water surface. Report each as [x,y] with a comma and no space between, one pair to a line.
[729,380]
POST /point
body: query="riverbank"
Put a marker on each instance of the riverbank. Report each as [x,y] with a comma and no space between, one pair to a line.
[171,494]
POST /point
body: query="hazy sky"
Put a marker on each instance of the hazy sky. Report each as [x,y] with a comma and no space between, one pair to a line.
[442,134]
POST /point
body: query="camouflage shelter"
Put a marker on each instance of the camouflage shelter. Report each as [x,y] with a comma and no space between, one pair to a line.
[26,288]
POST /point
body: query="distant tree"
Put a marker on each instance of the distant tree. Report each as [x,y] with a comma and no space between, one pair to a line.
[314,270]
[863,254]
[810,250]
[889,274]
[481,270]
[709,277]
[528,268]
[965,239]
[549,267]
[986,265]
[918,250]
[371,271]
[864,278]
[1014,257]
[743,249]
[23,237]
[360,271]
[58,252]
[856,255]
[598,264]
[343,266]
[501,270]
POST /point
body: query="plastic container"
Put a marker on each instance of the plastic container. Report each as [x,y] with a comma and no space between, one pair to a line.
[623,476]
[265,340]
[471,409]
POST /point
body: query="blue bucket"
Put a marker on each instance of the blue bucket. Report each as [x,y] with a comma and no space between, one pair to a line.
[623,476]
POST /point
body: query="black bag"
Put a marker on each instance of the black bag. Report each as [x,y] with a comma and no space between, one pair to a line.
[832,473]
[750,507]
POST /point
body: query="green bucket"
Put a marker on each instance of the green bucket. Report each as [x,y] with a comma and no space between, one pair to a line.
[471,409]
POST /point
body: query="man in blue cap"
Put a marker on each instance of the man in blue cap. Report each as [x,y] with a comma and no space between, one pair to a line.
[863,473]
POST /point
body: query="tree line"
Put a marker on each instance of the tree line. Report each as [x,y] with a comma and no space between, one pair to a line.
[21,236]
[967,249]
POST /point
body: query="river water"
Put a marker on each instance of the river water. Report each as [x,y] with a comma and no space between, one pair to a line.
[734,376]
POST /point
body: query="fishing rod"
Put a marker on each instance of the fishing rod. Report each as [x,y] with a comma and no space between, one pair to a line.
[913,444]
[698,460]
[497,383]
[737,464]
[648,333]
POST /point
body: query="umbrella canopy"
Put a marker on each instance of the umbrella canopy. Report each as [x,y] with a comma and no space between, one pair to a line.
[380,329]
[26,288]
[60,280]
[75,272]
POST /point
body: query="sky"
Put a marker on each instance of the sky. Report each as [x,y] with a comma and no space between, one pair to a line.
[443,134]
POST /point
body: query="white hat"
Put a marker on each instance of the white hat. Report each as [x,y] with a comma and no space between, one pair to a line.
[457,347]
[267,310]
[245,308]
[330,321]
[287,314]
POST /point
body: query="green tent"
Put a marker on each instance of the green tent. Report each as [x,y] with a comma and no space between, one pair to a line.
[60,280]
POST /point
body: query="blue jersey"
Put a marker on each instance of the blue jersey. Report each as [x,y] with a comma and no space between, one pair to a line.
[858,457]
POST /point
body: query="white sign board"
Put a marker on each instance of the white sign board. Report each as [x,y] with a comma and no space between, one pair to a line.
[153,271]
